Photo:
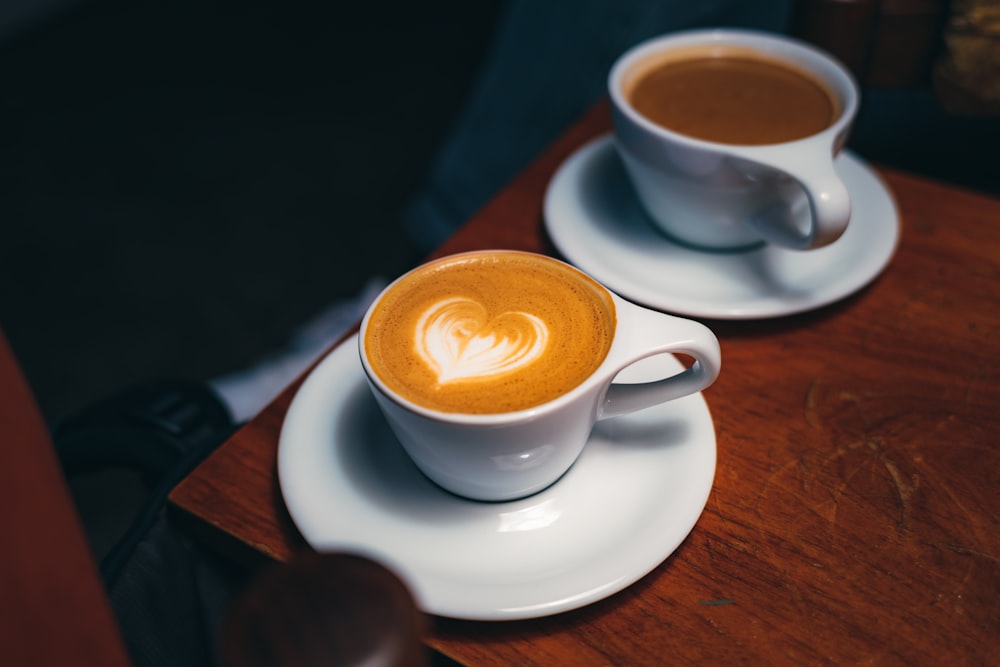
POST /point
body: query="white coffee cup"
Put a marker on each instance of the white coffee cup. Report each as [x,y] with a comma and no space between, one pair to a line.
[724,196]
[508,455]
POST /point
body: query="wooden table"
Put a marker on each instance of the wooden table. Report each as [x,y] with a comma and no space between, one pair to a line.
[855,515]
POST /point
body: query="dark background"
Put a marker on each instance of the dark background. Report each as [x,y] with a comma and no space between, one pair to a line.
[184,183]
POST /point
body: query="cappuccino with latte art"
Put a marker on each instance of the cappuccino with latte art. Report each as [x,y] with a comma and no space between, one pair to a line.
[492,367]
[489,332]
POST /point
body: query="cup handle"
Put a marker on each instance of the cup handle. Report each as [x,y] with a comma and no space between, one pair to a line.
[829,203]
[645,329]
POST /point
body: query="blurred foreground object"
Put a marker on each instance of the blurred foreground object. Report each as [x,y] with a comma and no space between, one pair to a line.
[53,607]
[325,609]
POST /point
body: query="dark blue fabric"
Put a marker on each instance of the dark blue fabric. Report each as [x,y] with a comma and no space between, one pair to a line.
[549,62]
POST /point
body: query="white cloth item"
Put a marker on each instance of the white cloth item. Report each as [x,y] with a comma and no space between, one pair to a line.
[247,392]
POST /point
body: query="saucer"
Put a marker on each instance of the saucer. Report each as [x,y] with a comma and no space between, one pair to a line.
[621,510]
[597,224]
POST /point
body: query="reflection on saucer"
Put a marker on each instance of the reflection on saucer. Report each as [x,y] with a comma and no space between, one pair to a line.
[534,517]
[596,222]
[625,505]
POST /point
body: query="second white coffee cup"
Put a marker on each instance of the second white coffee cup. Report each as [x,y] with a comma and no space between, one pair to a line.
[719,195]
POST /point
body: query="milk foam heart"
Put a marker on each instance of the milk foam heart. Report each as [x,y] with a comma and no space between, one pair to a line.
[457,341]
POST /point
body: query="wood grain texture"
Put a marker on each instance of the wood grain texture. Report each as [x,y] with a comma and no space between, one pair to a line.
[855,512]
[53,607]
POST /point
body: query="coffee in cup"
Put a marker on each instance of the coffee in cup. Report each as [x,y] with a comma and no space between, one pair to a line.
[729,138]
[731,95]
[492,367]
[489,333]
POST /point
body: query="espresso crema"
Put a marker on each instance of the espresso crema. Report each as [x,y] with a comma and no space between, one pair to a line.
[489,332]
[730,95]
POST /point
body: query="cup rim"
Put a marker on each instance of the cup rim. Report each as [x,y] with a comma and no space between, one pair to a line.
[494,418]
[776,41]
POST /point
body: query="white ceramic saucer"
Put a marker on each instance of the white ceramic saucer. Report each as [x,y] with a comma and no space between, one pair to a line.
[628,502]
[597,224]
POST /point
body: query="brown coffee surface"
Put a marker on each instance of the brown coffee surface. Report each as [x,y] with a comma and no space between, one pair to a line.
[489,332]
[733,100]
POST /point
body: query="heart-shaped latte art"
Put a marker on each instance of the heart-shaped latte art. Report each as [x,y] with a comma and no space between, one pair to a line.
[457,342]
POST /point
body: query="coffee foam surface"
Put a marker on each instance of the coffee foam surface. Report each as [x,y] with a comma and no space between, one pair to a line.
[490,334]
[678,54]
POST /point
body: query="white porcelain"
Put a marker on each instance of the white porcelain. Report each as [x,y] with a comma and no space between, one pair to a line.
[510,455]
[628,502]
[594,220]
[724,196]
